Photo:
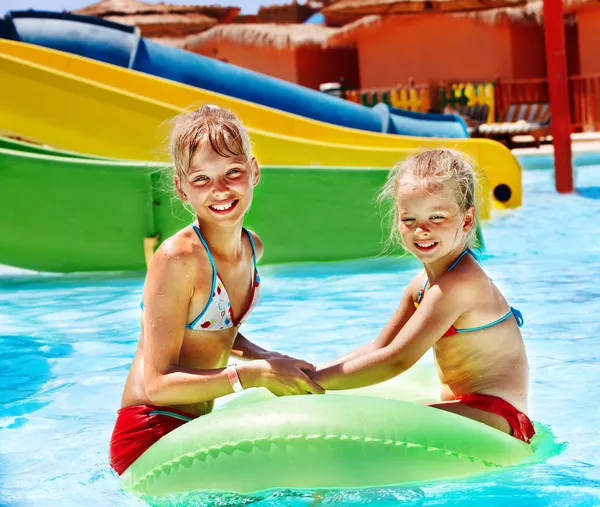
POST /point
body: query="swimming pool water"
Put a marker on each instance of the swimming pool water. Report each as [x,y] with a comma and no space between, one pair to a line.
[66,343]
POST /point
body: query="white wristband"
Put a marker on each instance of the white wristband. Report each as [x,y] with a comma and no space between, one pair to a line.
[234,379]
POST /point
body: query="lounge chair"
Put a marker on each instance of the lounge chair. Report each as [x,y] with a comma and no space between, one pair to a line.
[520,119]
[474,115]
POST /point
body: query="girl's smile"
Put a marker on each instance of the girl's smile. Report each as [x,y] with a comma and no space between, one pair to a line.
[224,207]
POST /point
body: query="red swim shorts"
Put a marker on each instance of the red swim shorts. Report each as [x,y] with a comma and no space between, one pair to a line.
[137,428]
[519,422]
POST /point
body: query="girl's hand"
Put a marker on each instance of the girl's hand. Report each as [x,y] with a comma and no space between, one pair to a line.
[283,377]
[302,364]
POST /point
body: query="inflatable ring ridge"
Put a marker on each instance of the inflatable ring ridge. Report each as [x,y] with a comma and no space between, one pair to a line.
[202,454]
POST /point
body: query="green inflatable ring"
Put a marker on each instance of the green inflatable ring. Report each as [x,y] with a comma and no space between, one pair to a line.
[355,439]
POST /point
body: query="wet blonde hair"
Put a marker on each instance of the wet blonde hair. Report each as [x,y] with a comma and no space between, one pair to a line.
[433,169]
[210,125]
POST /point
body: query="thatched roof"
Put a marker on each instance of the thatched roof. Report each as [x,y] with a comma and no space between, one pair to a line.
[348,33]
[285,13]
[286,36]
[173,24]
[224,14]
[110,8]
[489,12]
[115,8]
[245,18]
[531,12]
[367,7]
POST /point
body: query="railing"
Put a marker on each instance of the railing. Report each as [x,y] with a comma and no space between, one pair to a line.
[413,97]
[584,95]
[585,102]
[520,91]
[468,98]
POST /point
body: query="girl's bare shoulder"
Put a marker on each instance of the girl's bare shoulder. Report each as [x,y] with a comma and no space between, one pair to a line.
[468,281]
[181,253]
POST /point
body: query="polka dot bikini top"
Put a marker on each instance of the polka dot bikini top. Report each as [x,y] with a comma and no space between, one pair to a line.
[217,313]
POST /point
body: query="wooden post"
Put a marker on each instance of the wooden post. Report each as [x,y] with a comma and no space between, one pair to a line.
[558,86]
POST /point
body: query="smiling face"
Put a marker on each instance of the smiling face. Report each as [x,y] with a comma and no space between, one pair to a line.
[218,188]
[430,220]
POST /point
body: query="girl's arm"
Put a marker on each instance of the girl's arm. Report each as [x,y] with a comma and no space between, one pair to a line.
[403,313]
[437,312]
[244,348]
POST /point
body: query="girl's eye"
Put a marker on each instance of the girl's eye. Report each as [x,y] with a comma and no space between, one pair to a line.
[233,172]
[408,220]
[437,217]
[200,178]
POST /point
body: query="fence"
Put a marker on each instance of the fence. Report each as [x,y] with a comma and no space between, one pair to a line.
[463,96]
[412,97]
[584,97]
[584,94]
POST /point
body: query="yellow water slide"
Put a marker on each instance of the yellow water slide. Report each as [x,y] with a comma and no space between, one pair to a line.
[80,104]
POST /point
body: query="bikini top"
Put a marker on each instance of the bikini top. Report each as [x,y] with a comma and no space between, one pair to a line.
[452,331]
[218,314]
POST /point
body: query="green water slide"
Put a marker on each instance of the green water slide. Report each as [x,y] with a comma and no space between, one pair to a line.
[8,143]
[64,212]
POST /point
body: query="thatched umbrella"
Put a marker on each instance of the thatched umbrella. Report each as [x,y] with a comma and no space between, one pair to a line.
[367,7]
[167,25]
[286,36]
[115,8]
[222,13]
[110,8]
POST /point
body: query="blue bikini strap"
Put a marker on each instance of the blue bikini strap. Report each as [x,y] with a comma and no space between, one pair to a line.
[170,414]
[513,311]
[421,292]
[452,266]
[214,282]
[252,245]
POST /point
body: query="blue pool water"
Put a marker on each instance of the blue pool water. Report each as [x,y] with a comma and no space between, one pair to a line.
[66,343]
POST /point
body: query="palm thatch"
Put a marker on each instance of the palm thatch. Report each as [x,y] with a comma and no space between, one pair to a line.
[532,12]
[163,24]
[110,8]
[490,11]
[348,33]
[224,14]
[286,13]
[115,8]
[367,7]
[245,18]
[288,36]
